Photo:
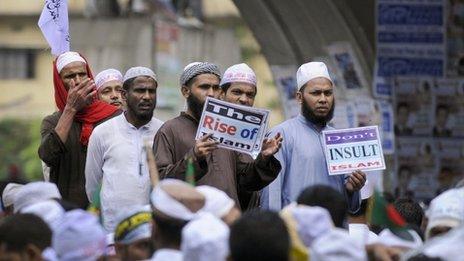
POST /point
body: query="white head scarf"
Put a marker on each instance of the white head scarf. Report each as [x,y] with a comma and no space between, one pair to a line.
[67,58]
[107,75]
[311,70]
[337,245]
[447,209]
[205,239]
[35,192]
[239,73]
[217,202]
[9,193]
[50,211]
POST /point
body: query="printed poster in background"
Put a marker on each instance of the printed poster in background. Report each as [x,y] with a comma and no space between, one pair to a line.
[285,80]
[455,38]
[414,106]
[410,37]
[386,126]
[451,166]
[337,79]
[416,168]
[449,108]
[347,64]
[236,127]
[344,115]
[353,149]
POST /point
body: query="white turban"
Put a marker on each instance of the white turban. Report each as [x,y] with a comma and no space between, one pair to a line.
[337,245]
[50,211]
[139,71]
[311,70]
[239,73]
[386,237]
[35,192]
[312,222]
[9,193]
[362,234]
[168,205]
[133,224]
[217,202]
[67,58]
[107,75]
[447,209]
[79,237]
[205,239]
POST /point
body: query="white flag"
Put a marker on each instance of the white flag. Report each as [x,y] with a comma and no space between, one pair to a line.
[53,23]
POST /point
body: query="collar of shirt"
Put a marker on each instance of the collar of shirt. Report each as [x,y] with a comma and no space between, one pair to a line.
[188,116]
[167,254]
[313,126]
[129,125]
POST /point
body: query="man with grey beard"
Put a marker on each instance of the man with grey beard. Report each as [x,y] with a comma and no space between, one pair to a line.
[302,154]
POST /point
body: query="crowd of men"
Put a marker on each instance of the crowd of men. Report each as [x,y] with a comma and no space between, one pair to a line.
[279,205]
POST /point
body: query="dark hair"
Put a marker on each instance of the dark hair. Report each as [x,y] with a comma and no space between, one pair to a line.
[19,230]
[169,229]
[410,210]
[259,235]
[328,198]
[226,86]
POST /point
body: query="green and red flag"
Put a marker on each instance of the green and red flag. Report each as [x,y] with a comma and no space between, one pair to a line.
[190,172]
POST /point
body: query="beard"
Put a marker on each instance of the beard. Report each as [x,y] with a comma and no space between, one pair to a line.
[142,115]
[195,106]
[318,120]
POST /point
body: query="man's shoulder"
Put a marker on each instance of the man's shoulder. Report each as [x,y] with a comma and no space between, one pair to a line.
[286,126]
[106,126]
[54,117]
[174,124]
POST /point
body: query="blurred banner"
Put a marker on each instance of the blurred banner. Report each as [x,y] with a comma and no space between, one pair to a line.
[410,41]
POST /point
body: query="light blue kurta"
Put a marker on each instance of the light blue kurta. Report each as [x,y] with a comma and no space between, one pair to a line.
[303,164]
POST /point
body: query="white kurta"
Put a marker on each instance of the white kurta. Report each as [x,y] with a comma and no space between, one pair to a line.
[116,160]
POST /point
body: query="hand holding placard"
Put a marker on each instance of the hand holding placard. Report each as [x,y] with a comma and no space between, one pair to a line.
[204,146]
[356,181]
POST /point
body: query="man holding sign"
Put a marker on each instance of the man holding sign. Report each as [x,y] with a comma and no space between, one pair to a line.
[224,169]
[302,154]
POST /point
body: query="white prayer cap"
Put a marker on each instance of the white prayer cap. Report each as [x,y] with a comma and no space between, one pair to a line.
[362,234]
[67,58]
[177,199]
[337,245]
[79,237]
[386,237]
[312,222]
[239,73]
[139,71]
[9,193]
[133,225]
[217,202]
[205,238]
[311,70]
[35,192]
[107,75]
[447,209]
[49,210]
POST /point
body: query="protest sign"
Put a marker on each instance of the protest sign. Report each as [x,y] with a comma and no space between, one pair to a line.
[236,127]
[348,150]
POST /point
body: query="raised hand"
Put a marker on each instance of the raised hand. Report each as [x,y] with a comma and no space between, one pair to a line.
[81,95]
[356,181]
[271,146]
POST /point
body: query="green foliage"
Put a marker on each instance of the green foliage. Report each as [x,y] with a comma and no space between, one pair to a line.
[19,141]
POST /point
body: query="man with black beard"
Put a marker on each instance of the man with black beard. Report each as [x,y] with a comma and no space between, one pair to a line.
[302,154]
[116,161]
[224,169]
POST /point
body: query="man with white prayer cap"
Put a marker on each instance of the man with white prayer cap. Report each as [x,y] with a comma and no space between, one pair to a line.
[109,87]
[219,204]
[445,212]
[132,236]
[239,85]
[35,192]
[65,133]
[175,143]
[79,237]
[8,195]
[116,159]
[174,204]
[336,245]
[302,156]
[305,224]
[49,210]
[205,238]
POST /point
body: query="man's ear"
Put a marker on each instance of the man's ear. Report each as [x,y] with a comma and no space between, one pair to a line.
[33,252]
[185,91]
[299,97]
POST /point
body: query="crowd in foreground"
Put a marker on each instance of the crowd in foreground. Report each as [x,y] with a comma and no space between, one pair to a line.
[184,222]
